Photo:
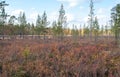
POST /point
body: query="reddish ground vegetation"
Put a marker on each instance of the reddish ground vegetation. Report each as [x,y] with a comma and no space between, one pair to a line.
[66,58]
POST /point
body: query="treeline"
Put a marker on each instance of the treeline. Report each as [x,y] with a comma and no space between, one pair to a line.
[59,27]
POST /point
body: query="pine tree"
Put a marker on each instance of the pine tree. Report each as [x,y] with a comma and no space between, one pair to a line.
[106,30]
[44,20]
[28,28]
[86,30]
[22,23]
[41,24]
[12,20]
[75,33]
[3,17]
[38,21]
[22,19]
[54,28]
[38,25]
[44,24]
[32,30]
[91,15]
[96,29]
[115,15]
[62,20]
[102,30]
[80,31]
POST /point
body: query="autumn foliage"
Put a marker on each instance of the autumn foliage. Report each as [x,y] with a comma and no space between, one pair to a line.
[41,58]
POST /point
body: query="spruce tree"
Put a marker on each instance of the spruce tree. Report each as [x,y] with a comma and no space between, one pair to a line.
[44,24]
[3,17]
[22,23]
[38,26]
[61,20]
[12,20]
[91,19]
[115,15]
[96,29]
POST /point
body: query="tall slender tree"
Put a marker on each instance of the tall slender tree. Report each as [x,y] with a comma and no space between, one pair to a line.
[91,15]
[3,16]
[32,30]
[96,29]
[86,30]
[44,20]
[80,31]
[38,21]
[22,23]
[54,28]
[41,24]
[115,15]
[22,19]
[102,30]
[106,30]
[62,20]
[12,20]
[38,25]
[44,24]
[75,33]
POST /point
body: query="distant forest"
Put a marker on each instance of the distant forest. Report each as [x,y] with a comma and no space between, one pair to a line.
[60,26]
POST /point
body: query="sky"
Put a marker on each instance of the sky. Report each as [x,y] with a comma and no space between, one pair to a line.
[77,11]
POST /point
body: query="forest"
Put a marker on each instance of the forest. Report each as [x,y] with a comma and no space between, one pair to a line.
[51,49]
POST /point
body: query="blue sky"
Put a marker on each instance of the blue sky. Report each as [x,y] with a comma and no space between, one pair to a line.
[76,10]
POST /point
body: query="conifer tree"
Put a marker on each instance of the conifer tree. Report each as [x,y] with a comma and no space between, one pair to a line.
[115,15]
[38,26]
[75,33]
[22,23]
[61,20]
[96,29]
[12,20]
[91,19]
[3,17]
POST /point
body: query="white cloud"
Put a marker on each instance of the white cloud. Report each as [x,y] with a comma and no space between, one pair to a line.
[101,11]
[53,16]
[103,19]
[16,12]
[33,8]
[85,19]
[116,1]
[81,7]
[33,15]
[70,17]
[72,3]
[103,15]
